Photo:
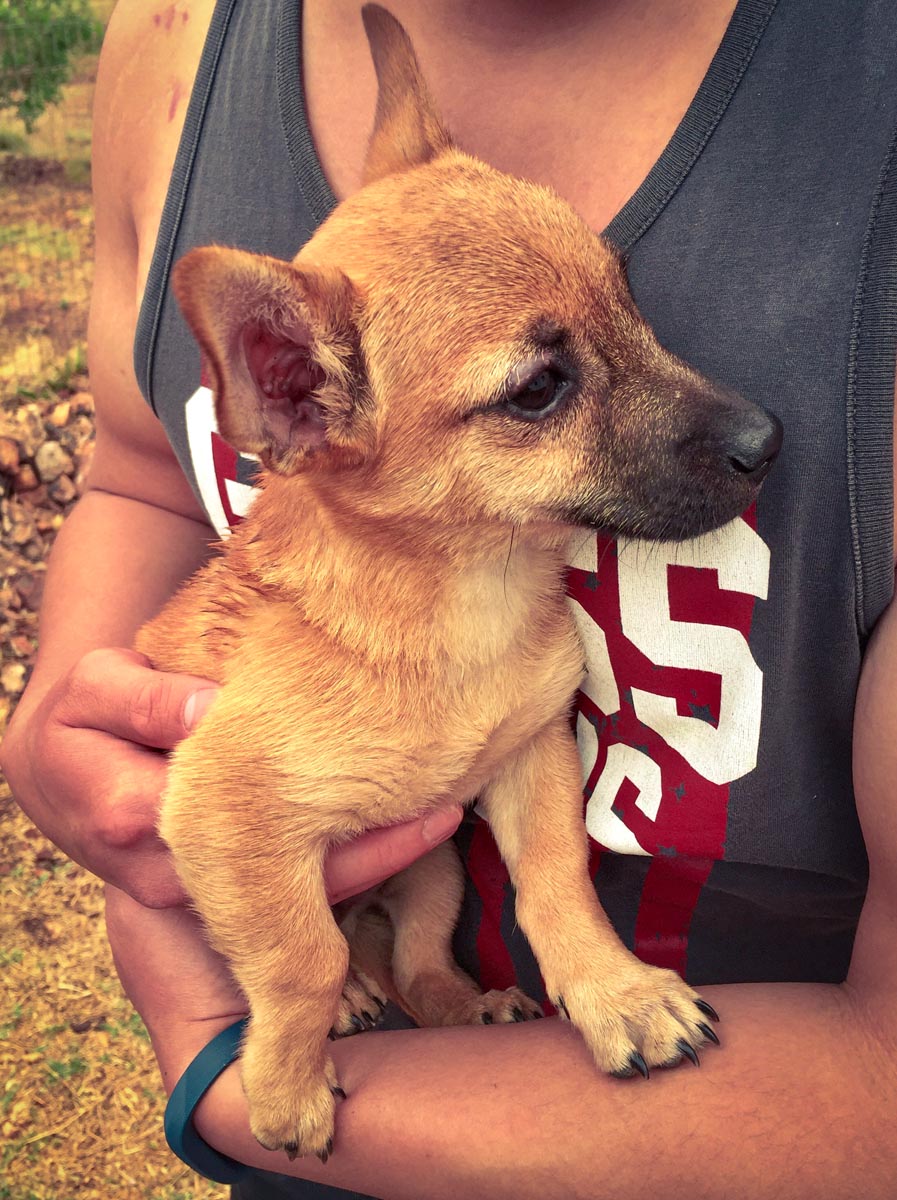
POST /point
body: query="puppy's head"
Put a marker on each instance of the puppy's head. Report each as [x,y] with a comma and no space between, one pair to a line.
[456,346]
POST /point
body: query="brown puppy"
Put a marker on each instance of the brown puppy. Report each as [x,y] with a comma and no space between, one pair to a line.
[447,378]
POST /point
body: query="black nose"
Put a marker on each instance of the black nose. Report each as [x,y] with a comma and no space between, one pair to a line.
[753,447]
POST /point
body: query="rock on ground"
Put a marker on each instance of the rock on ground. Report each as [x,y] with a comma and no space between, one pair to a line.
[45,450]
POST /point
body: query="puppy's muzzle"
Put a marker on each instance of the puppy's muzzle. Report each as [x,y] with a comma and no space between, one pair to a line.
[671,488]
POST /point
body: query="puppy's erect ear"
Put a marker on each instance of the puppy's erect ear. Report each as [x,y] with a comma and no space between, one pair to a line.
[407,129]
[283,349]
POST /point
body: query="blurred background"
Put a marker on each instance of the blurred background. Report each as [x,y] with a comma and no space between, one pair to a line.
[80,1101]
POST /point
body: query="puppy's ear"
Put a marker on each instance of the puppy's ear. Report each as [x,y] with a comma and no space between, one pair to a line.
[407,129]
[283,348]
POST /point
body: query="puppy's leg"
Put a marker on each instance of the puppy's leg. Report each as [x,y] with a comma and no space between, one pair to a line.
[630,1014]
[402,949]
[368,983]
[254,870]
[424,902]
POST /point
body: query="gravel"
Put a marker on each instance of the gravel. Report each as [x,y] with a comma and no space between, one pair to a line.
[46,445]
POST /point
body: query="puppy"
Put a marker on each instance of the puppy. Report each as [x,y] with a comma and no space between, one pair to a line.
[446,379]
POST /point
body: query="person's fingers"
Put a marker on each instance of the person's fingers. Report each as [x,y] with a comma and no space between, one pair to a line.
[375,856]
[99,737]
[107,792]
[118,691]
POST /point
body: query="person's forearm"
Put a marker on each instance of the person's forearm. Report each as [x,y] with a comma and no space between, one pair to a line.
[79,753]
[798,1103]
[114,564]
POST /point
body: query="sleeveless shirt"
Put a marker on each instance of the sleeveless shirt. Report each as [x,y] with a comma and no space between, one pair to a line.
[715,721]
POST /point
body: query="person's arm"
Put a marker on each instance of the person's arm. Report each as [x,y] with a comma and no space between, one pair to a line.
[799,1103]
[81,753]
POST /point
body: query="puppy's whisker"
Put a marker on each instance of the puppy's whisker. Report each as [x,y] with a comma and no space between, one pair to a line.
[610,542]
[377,784]
[573,551]
[507,564]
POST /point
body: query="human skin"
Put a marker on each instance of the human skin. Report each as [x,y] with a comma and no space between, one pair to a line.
[806,1085]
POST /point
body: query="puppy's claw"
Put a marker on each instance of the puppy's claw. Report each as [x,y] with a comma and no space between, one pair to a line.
[639,1063]
[559,1004]
[517,1014]
[356,1023]
[292,1150]
[324,1154]
[338,1091]
[688,1050]
[707,1009]
[708,1033]
[486,1018]
[369,1017]
[636,1063]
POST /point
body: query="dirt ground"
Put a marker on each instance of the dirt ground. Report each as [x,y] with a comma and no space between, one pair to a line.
[46,237]
[46,245]
[80,1100]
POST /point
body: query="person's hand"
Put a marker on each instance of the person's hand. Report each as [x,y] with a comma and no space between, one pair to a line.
[86,766]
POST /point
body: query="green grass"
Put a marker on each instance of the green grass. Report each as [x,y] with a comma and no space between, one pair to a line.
[12,141]
[131,1025]
[11,1025]
[77,170]
[69,1068]
[75,364]
[44,241]
[6,1193]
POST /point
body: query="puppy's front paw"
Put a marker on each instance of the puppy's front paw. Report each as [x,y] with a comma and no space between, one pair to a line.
[641,1017]
[291,1113]
[361,1006]
[496,1008]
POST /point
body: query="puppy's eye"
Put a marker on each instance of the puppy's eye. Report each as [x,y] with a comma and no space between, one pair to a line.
[540,394]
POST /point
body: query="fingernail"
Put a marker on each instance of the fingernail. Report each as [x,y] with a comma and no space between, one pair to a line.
[197,706]
[441,825]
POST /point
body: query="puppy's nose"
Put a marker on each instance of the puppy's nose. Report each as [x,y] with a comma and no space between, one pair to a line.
[753,448]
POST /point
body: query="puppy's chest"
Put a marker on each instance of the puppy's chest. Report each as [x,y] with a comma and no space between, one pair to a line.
[492,717]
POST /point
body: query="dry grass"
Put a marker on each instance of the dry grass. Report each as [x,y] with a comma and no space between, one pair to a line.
[46,235]
[80,1100]
[46,246]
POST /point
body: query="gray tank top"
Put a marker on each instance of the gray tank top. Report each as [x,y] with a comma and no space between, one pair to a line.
[715,723]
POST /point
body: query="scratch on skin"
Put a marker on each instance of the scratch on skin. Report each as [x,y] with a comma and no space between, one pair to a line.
[176,90]
[168,15]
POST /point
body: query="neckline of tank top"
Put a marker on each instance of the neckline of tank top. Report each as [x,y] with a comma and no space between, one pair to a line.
[725,72]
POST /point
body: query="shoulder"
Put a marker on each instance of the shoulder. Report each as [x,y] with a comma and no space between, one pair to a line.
[147,66]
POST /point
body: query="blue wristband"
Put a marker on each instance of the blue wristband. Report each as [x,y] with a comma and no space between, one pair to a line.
[180,1132]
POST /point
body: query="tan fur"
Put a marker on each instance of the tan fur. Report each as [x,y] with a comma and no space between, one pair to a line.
[388,622]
